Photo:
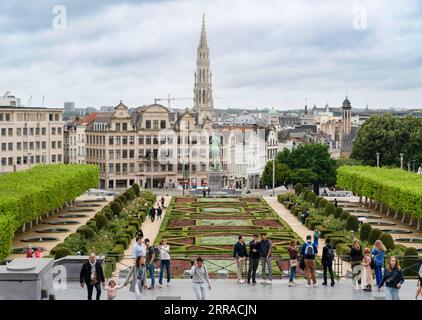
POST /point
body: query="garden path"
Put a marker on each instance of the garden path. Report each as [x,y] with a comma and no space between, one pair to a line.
[150,230]
[301,230]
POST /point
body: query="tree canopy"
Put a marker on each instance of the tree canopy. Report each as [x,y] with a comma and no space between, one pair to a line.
[389,136]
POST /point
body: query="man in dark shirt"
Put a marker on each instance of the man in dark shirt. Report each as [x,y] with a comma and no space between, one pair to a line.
[254,256]
[240,254]
[150,257]
[92,275]
[266,251]
[327,261]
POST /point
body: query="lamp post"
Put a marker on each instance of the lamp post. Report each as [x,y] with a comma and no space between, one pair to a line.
[378,159]
[401,160]
[273,177]
[414,165]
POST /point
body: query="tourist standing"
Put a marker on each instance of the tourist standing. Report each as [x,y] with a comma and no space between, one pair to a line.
[159,212]
[162,202]
[138,249]
[304,215]
[139,280]
[327,261]
[254,256]
[139,233]
[356,256]
[38,253]
[378,252]
[200,278]
[335,203]
[204,192]
[164,262]
[316,237]
[153,213]
[393,279]
[208,191]
[149,262]
[240,254]
[308,251]
[92,275]
[29,251]
[111,289]
[293,252]
[367,280]
[266,251]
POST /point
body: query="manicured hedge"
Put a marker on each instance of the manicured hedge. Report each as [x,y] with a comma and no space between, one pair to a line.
[298,188]
[26,195]
[365,229]
[352,223]
[399,189]
[387,240]
[374,235]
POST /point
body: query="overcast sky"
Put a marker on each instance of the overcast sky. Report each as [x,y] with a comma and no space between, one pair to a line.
[270,53]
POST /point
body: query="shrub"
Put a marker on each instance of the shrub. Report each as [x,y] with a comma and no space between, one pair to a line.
[342,249]
[298,188]
[338,212]
[374,235]
[108,214]
[311,197]
[117,251]
[322,203]
[387,240]
[62,252]
[411,262]
[87,232]
[365,229]
[123,241]
[352,223]
[318,199]
[344,215]
[136,189]
[101,221]
[330,209]
[93,224]
[116,207]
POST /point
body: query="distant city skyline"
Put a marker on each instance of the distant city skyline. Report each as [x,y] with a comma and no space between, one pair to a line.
[262,56]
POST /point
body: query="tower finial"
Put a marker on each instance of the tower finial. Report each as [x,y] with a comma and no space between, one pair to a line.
[203,41]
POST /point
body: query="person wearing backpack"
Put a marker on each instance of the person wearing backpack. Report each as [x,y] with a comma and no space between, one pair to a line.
[150,262]
[139,281]
[200,278]
[327,261]
[159,212]
[308,252]
[393,279]
[419,284]
[316,237]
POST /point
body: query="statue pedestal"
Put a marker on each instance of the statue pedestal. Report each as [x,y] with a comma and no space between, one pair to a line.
[215,179]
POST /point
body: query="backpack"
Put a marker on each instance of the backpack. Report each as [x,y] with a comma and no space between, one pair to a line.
[156,254]
[420,272]
[330,253]
[309,250]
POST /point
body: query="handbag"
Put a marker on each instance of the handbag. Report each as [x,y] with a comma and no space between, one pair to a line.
[293,263]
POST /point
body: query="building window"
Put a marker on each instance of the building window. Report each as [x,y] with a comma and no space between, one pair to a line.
[111,154]
[131,154]
[163,124]
[19,146]
[10,132]
[3,132]
[7,117]
[10,146]
[148,140]
[117,126]
[141,140]
[57,117]
[118,139]
[141,153]
[148,124]
[111,140]
[3,147]
[155,124]
[155,139]
[124,140]
[124,154]
[18,160]
[124,125]
[131,140]
[43,131]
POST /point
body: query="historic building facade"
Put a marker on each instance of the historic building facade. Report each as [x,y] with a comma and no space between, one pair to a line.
[29,136]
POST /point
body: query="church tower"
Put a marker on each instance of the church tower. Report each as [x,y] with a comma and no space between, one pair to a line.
[347,117]
[203,101]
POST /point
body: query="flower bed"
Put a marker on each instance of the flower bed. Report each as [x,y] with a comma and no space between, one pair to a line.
[267,223]
[181,223]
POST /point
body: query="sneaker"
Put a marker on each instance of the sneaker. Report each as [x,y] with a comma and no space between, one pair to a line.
[269,282]
[324,284]
[160,285]
[254,282]
[308,285]
[332,284]
[291,284]
[169,284]
[315,285]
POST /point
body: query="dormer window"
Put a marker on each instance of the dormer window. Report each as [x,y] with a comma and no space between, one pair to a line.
[124,125]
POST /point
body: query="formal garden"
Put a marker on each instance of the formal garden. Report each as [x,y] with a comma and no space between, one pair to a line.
[110,232]
[27,195]
[341,227]
[209,227]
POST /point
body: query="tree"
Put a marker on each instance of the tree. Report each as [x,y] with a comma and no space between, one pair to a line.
[282,173]
[389,136]
[310,164]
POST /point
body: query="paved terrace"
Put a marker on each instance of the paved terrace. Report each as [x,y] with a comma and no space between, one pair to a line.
[231,290]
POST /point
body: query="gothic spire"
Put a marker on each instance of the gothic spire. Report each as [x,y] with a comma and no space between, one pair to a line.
[203,41]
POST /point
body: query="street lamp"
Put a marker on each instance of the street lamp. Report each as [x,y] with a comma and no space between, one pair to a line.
[378,159]
[401,160]
[273,176]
